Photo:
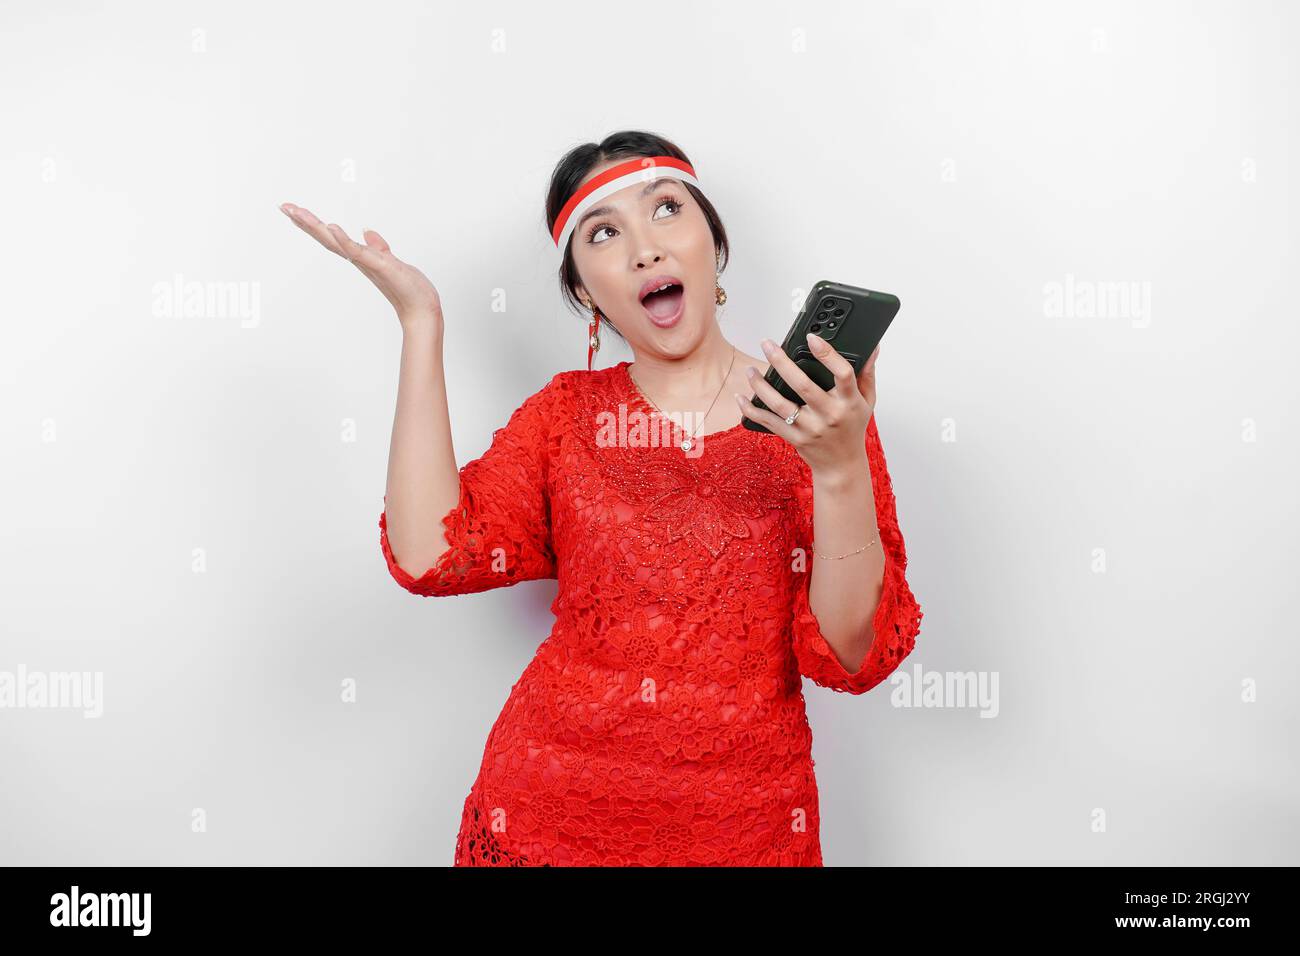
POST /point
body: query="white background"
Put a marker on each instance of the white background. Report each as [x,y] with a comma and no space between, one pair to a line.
[963,156]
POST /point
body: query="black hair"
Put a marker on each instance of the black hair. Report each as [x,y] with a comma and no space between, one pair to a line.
[574,167]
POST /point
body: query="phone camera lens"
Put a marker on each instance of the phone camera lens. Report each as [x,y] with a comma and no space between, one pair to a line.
[815,327]
[839,312]
[821,316]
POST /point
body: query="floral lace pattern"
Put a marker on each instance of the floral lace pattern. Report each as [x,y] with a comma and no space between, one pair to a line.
[662,721]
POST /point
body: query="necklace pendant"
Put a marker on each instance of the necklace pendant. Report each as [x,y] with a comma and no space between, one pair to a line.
[686,444]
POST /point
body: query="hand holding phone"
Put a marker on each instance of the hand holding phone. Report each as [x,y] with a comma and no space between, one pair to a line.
[851,319]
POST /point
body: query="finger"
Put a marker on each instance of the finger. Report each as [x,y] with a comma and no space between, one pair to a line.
[774,423]
[867,379]
[353,251]
[869,369]
[375,240]
[871,362]
[812,393]
[308,223]
[774,400]
[846,380]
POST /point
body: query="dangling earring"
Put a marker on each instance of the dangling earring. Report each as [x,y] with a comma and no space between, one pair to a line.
[593,334]
[719,293]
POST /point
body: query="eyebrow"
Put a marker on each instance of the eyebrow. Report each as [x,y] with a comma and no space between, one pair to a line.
[609,210]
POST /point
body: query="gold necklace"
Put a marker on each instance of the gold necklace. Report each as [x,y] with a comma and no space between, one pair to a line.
[689,441]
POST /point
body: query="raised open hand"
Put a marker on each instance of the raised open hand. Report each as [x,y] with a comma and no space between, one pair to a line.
[406,288]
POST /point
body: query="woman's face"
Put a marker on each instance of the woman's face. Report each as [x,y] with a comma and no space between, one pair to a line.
[641,232]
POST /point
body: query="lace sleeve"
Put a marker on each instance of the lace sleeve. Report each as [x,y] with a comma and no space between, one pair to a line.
[898,617]
[499,532]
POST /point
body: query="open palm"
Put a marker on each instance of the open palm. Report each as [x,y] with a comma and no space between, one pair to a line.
[406,288]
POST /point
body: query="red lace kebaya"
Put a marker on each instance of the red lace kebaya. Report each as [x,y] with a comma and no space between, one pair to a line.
[662,722]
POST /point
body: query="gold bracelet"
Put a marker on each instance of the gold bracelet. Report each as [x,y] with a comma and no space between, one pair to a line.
[838,556]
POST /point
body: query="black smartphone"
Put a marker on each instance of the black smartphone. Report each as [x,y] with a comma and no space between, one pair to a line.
[851,319]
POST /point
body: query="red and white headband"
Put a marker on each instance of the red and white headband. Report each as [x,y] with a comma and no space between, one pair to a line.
[640,169]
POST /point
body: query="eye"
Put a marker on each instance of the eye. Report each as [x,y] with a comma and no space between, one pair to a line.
[664,202]
[602,226]
[595,229]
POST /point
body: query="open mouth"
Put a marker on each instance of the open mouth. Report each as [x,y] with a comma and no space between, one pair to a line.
[664,305]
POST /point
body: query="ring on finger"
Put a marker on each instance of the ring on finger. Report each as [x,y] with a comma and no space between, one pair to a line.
[789,419]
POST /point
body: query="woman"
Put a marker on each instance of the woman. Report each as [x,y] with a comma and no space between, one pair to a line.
[662,722]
